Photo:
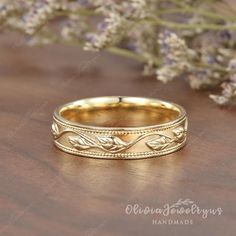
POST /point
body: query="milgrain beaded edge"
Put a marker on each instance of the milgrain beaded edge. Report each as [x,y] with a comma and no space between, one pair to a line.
[123,132]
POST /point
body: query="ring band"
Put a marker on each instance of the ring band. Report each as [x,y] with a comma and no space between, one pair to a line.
[119,127]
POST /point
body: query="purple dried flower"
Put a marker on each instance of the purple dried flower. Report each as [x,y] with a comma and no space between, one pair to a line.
[225,36]
[84,3]
[101,26]
[232,65]
[91,37]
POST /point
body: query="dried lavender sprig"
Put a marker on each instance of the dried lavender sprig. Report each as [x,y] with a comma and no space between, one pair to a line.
[176,57]
[131,21]
[229,88]
[39,14]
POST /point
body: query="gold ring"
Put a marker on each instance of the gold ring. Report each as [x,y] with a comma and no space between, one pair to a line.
[119,127]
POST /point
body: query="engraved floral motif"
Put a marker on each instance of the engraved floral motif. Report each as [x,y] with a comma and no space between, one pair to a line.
[112,143]
[164,141]
[55,130]
[180,134]
[81,142]
[159,143]
[107,143]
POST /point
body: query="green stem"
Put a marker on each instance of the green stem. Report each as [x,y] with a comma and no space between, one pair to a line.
[80,11]
[186,8]
[212,67]
[126,53]
[191,10]
[132,55]
[169,24]
[115,50]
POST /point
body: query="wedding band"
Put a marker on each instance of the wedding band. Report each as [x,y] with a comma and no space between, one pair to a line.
[119,127]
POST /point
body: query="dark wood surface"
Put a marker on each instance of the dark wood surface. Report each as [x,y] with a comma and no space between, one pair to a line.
[45,192]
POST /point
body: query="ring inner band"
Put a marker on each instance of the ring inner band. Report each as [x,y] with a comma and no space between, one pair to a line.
[120,112]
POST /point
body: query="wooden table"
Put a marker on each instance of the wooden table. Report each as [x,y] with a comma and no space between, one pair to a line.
[45,192]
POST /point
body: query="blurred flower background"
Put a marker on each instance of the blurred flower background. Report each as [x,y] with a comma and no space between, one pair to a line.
[194,39]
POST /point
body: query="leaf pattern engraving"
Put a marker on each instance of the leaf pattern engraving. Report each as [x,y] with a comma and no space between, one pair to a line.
[55,130]
[159,143]
[163,141]
[81,142]
[112,143]
[179,134]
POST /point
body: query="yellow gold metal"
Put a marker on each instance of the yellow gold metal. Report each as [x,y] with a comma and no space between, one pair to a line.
[119,127]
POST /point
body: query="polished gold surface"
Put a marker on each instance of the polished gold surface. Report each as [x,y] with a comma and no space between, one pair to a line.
[120,115]
[119,127]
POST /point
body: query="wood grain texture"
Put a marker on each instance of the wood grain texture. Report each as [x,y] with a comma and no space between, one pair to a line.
[45,192]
